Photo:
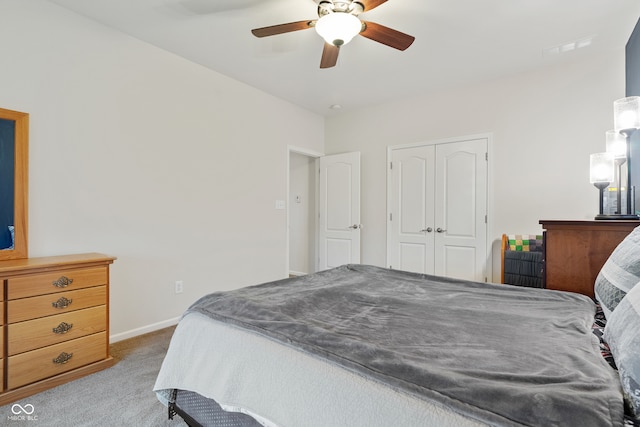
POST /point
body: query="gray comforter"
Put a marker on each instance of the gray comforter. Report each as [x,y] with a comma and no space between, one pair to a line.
[496,353]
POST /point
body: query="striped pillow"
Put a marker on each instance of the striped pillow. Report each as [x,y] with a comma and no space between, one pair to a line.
[622,333]
[620,273]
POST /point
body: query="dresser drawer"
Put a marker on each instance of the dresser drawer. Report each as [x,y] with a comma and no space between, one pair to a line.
[35,365]
[61,280]
[35,307]
[32,334]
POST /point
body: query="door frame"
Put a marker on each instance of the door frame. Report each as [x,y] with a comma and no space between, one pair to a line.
[489,242]
[315,155]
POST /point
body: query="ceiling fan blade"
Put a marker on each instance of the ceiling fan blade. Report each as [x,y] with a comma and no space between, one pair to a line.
[283,28]
[329,55]
[371,4]
[386,35]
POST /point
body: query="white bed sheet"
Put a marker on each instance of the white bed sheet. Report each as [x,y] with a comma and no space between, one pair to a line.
[281,386]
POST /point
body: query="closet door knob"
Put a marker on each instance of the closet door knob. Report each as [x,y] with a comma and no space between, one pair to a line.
[428,230]
[440,230]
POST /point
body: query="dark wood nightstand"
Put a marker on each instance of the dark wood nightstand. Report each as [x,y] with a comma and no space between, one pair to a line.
[575,251]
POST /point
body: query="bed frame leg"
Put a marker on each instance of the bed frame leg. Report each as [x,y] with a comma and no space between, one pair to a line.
[172,404]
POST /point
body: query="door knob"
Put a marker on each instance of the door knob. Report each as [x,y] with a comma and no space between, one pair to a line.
[440,230]
[428,230]
[355,226]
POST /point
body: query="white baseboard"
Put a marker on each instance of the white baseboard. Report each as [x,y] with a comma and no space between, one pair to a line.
[297,273]
[144,330]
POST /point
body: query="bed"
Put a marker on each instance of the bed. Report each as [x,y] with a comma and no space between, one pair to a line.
[363,346]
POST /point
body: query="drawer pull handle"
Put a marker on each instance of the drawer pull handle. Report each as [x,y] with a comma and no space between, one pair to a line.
[62,303]
[63,358]
[63,328]
[62,282]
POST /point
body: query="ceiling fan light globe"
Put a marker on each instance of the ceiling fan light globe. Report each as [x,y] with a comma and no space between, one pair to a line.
[338,28]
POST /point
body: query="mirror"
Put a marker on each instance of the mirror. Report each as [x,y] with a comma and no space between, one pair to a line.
[14,152]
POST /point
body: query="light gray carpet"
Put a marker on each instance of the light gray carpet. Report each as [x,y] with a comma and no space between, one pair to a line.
[119,396]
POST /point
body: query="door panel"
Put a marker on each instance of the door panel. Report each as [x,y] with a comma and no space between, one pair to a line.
[412,183]
[412,257]
[460,209]
[459,192]
[412,202]
[338,252]
[338,198]
[460,262]
[339,210]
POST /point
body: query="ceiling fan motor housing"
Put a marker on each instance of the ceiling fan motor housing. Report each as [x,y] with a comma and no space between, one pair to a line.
[326,7]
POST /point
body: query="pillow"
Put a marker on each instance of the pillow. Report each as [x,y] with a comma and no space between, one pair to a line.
[622,333]
[620,273]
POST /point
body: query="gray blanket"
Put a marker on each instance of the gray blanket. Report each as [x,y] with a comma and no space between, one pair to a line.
[496,353]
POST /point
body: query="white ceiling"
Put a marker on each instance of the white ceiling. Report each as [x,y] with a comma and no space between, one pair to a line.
[457,42]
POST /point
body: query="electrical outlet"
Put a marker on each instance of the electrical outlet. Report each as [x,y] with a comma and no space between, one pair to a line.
[179,286]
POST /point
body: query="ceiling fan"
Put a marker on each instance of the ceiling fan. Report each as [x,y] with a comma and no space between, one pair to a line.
[338,23]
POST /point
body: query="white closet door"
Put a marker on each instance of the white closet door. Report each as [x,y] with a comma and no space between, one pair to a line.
[412,216]
[437,209]
[460,209]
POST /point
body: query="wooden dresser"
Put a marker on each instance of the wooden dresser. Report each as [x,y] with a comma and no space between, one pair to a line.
[54,321]
[575,251]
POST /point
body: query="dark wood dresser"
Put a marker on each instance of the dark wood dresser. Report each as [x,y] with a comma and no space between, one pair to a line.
[575,251]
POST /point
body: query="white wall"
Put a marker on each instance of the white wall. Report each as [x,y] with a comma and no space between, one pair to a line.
[544,125]
[137,153]
[175,169]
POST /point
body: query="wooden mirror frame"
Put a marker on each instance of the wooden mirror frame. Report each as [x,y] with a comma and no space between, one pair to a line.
[20,183]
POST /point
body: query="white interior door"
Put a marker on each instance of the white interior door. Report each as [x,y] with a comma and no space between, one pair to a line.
[339,210]
[461,209]
[411,235]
